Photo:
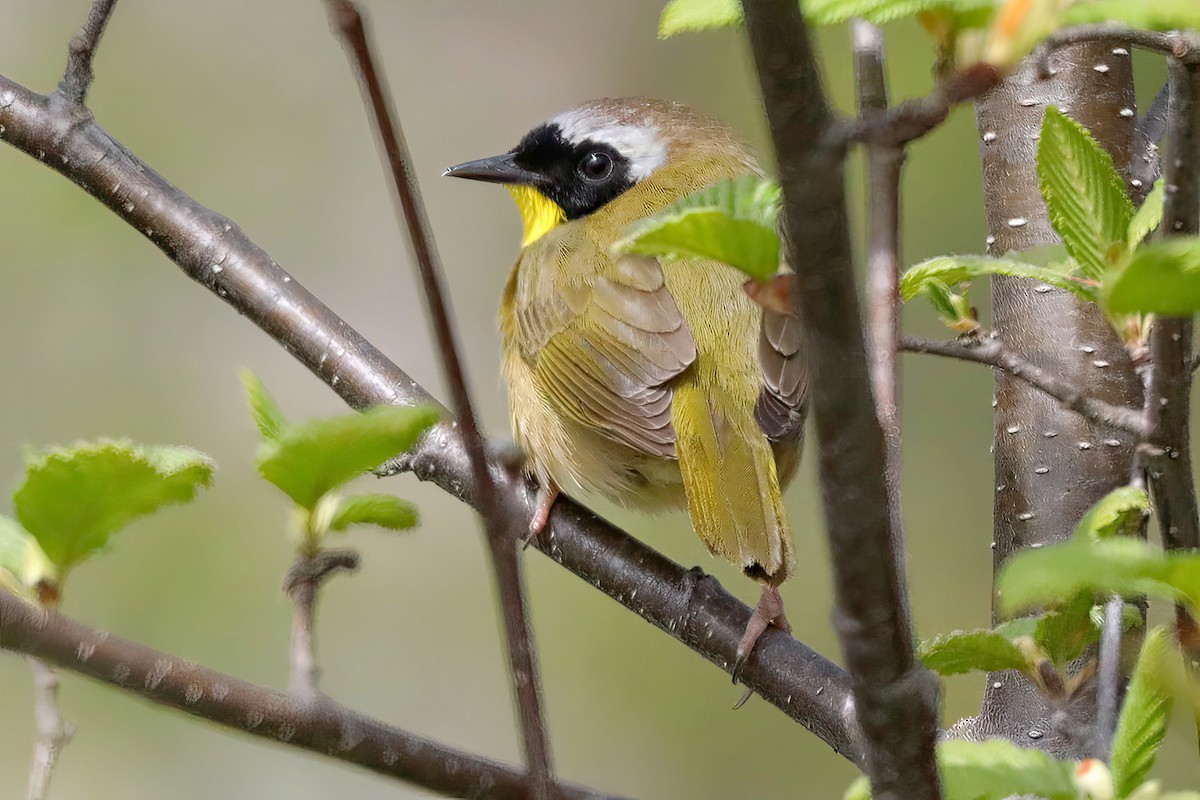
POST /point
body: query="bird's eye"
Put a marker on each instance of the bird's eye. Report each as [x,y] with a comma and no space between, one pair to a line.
[595,166]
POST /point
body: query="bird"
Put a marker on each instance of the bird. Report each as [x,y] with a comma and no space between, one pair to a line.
[655,383]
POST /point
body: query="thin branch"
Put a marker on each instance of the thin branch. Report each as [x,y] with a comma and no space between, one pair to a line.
[1109,678]
[884,164]
[500,521]
[914,118]
[896,697]
[316,723]
[213,251]
[77,77]
[302,583]
[992,351]
[1181,45]
[52,733]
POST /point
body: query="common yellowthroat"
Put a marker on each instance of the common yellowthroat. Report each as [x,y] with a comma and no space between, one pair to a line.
[653,383]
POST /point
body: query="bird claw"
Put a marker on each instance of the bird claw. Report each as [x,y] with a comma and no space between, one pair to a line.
[769,611]
[542,503]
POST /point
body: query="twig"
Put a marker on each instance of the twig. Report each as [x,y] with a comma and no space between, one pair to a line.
[303,581]
[499,519]
[1109,678]
[1181,45]
[52,732]
[914,118]
[896,697]
[77,77]
[1168,394]
[691,608]
[317,724]
[884,164]
[990,350]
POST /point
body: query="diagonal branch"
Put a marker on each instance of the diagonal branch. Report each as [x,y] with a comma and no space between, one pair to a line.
[77,77]
[1181,45]
[210,249]
[314,723]
[992,351]
[500,520]
[896,697]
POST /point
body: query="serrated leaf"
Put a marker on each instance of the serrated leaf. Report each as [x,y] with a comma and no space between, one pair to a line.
[832,12]
[1065,632]
[1145,713]
[688,16]
[952,270]
[1151,15]
[74,499]
[985,650]
[996,769]
[311,459]
[22,563]
[1084,195]
[1160,278]
[1121,512]
[267,416]
[1118,565]
[383,510]
[731,221]
[1147,217]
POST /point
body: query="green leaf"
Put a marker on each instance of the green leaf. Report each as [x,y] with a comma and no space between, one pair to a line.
[996,769]
[22,563]
[1121,512]
[313,458]
[73,499]
[832,12]
[1084,195]
[1160,278]
[985,650]
[859,790]
[952,270]
[383,510]
[1119,565]
[688,16]
[1151,15]
[1147,218]
[1144,715]
[1065,632]
[731,221]
[267,416]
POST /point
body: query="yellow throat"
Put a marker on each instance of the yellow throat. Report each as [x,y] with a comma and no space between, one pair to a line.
[539,213]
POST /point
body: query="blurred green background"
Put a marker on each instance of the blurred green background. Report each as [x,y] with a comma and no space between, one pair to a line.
[250,107]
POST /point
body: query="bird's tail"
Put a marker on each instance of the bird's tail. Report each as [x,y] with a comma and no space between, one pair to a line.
[733,492]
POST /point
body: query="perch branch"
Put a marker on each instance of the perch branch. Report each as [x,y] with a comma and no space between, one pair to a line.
[313,723]
[500,520]
[77,77]
[896,697]
[993,352]
[213,251]
[303,581]
[52,733]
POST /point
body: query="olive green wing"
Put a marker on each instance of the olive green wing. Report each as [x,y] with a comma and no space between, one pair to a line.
[605,352]
[783,402]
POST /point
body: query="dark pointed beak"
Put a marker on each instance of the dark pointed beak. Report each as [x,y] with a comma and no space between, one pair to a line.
[497,169]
